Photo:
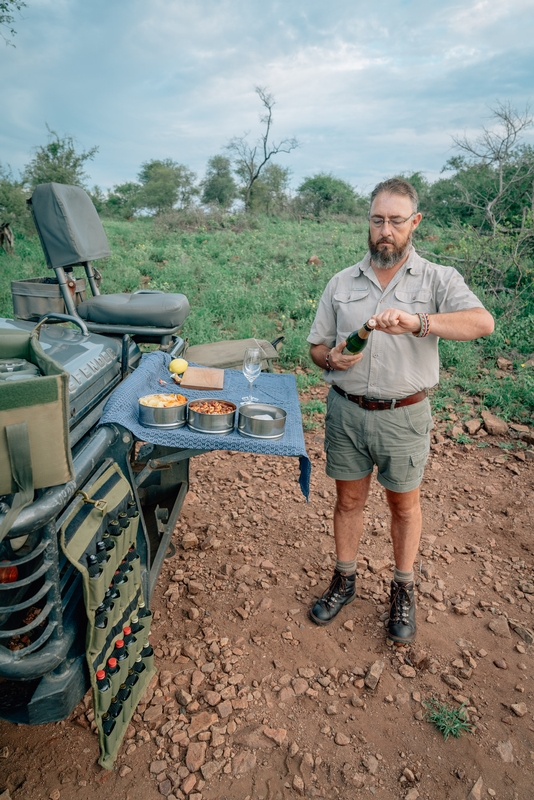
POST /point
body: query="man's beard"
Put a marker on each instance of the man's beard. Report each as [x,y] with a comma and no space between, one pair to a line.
[386,259]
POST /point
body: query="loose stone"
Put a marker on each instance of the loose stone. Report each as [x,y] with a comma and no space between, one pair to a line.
[299,686]
[306,672]
[286,694]
[373,674]
[506,751]
[211,768]
[225,708]
[195,756]
[371,764]
[476,791]
[201,722]
[452,681]
[243,763]
[124,770]
[165,787]
[278,735]
[189,784]
[494,425]
[189,540]
[500,627]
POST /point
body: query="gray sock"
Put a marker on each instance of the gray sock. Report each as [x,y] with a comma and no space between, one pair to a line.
[402,577]
[346,567]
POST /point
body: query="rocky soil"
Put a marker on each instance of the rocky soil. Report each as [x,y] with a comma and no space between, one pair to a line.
[254,702]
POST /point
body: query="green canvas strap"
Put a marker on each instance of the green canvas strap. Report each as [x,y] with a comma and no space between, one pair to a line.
[18,445]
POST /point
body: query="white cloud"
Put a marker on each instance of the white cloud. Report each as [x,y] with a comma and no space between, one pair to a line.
[486,13]
[364,88]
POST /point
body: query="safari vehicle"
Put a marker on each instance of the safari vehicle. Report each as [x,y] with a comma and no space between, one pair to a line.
[55,516]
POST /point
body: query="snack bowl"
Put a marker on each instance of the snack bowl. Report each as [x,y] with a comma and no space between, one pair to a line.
[211,415]
[163,416]
[261,421]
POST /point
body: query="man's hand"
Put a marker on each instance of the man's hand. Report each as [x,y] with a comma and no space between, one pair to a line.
[461,326]
[341,361]
[337,359]
[394,322]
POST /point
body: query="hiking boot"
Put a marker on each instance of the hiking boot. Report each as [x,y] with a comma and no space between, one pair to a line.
[401,623]
[341,592]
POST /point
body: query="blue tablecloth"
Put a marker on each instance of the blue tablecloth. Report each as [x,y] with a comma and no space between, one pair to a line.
[280,390]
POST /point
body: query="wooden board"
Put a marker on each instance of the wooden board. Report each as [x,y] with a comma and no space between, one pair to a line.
[202,378]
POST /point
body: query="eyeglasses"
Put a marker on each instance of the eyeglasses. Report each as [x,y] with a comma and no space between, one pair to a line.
[395,222]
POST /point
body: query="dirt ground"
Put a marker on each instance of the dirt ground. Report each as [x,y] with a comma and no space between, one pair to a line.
[254,702]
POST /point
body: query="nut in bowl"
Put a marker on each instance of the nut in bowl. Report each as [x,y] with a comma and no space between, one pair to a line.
[211,416]
[163,410]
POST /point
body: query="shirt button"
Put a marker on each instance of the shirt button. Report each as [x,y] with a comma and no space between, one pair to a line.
[375,355]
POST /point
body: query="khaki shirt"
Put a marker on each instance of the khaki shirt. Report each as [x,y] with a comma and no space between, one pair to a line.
[392,366]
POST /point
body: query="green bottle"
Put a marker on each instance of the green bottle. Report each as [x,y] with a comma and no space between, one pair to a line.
[358,339]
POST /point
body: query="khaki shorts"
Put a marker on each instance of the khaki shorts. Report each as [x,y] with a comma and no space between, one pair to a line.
[396,440]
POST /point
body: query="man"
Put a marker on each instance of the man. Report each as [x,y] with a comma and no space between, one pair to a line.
[378,410]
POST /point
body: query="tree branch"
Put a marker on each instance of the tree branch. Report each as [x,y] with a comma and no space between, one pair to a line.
[248,163]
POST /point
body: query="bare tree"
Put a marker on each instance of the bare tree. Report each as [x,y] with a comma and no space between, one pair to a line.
[250,160]
[498,148]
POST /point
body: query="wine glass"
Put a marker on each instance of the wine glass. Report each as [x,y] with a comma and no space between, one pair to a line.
[251,370]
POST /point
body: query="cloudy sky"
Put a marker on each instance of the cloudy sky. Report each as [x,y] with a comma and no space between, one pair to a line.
[368,89]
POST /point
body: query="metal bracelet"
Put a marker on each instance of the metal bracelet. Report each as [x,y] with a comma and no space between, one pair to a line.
[329,367]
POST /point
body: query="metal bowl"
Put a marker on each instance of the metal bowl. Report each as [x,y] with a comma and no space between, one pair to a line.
[261,421]
[154,417]
[211,423]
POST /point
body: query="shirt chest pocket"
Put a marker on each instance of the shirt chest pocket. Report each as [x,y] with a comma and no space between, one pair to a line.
[351,310]
[414,300]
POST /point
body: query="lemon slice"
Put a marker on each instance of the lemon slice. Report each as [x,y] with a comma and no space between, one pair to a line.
[178,366]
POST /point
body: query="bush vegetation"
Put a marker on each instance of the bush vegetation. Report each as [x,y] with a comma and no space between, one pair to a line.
[250,275]
[260,271]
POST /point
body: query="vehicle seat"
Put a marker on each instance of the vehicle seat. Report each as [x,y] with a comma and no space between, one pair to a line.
[71,233]
[141,309]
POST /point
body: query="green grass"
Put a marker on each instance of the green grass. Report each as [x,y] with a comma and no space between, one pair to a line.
[463,438]
[308,378]
[448,720]
[254,279]
[312,414]
[254,282]
[468,371]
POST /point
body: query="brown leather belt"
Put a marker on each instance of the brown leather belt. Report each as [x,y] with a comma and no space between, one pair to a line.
[372,404]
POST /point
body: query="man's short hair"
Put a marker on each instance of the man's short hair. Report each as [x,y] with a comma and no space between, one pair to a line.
[396,186]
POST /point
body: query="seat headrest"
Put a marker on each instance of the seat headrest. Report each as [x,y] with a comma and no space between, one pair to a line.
[68,225]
